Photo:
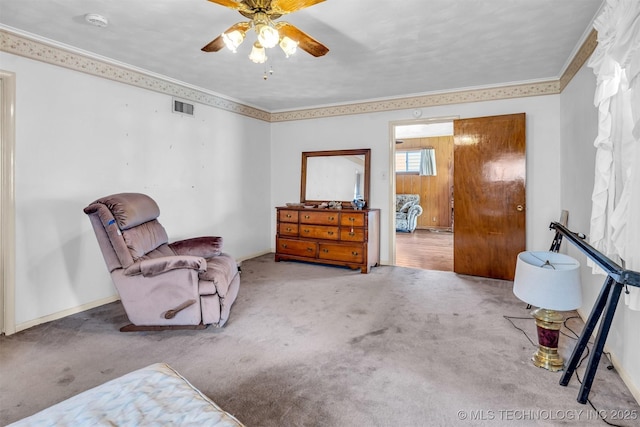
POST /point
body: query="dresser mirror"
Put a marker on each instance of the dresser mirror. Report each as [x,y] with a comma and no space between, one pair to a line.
[335,175]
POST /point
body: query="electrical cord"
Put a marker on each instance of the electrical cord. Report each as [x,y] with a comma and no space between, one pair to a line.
[609,367]
[510,319]
[574,337]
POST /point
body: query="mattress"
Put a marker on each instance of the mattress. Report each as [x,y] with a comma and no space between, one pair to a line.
[153,396]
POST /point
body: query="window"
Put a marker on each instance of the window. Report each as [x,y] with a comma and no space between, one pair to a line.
[407,161]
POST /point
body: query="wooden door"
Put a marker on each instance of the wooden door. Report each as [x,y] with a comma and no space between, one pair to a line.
[489,195]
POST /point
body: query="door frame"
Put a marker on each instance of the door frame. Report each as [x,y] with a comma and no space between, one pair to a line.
[392,173]
[7,202]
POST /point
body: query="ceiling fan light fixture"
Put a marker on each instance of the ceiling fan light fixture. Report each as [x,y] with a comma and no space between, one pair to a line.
[288,46]
[267,35]
[233,39]
[258,54]
[260,15]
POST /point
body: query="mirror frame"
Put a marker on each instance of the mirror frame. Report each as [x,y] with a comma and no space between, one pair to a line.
[366,174]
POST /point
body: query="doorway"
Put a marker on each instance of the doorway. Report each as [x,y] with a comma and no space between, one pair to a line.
[488,203]
[423,173]
[7,202]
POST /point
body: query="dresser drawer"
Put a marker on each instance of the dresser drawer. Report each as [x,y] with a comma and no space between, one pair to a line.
[355,219]
[288,229]
[321,218]
[285,215]
[352,235]
[297,247]
[319,232]
[347,253]
[340,237]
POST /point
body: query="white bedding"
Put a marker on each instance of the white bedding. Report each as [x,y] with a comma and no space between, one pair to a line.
[153,396]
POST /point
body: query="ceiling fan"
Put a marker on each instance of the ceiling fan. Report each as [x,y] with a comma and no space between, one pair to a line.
[261,14]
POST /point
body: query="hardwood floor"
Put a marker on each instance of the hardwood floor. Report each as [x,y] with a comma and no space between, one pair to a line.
[425,249]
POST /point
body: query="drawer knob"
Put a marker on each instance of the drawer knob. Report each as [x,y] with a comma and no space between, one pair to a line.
[351,219]
[306,231]
[288,215]
[354,253]
[331,218]
[307,216]
[288,228]
[351,233]
[309,249]
[284,245]
[326,251]
[330,233]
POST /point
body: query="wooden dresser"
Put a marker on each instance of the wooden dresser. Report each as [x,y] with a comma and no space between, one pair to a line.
[344,237]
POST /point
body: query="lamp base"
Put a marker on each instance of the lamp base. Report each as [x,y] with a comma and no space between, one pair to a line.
[548,323]
[548,358]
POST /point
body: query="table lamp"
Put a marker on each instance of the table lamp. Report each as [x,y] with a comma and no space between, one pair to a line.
[551,282]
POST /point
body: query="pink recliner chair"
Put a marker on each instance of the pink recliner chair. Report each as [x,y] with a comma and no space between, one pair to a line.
[188,284]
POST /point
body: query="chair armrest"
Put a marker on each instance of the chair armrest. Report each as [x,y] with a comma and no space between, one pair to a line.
[415,210]
[154,266]
[408,205]
[206,247]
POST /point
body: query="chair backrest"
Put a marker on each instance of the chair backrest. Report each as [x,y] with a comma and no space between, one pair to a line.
[403,199]
[126,227]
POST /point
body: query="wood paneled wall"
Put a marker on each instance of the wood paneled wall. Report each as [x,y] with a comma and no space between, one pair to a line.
[435,191]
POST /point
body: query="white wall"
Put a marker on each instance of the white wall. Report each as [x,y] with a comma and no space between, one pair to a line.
[80,137]
[290,139]
[579,130]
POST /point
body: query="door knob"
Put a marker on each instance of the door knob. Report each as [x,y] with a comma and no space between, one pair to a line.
[519,208]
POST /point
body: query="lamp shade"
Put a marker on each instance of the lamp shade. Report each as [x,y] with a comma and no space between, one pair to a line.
[232,40]
[288,46]
[258,55]
[268,36]
[548,280]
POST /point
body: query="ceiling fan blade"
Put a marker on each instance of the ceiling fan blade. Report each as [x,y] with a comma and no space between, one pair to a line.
[218,43]
[287,6]
[305,41]
[214,45]
[241,6]
[231,4]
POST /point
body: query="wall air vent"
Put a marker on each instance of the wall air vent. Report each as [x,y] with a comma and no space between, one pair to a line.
[182,107]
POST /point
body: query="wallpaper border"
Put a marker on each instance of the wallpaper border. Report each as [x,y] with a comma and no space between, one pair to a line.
[33,49]
[29,48]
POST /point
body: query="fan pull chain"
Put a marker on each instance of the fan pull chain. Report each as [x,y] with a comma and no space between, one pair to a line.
[265,76]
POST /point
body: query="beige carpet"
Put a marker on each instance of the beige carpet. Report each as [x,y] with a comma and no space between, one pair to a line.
[310,345]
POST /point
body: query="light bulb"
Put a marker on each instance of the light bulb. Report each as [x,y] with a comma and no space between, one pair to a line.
[233,39]
[288,46]
[268,36]
[258,54]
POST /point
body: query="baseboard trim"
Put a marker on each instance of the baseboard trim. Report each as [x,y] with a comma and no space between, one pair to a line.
[617,364]
[239,260]
[67,312]
[626,378]
[93,304]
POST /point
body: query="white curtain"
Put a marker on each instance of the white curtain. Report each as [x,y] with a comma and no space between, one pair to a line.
[428,162]
[615,215]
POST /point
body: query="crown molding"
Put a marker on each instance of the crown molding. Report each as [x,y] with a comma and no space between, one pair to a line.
[35,49]
[455,97]
[22,45]
[580,58]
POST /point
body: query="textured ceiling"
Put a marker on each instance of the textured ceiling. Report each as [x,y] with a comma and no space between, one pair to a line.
[378,48]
